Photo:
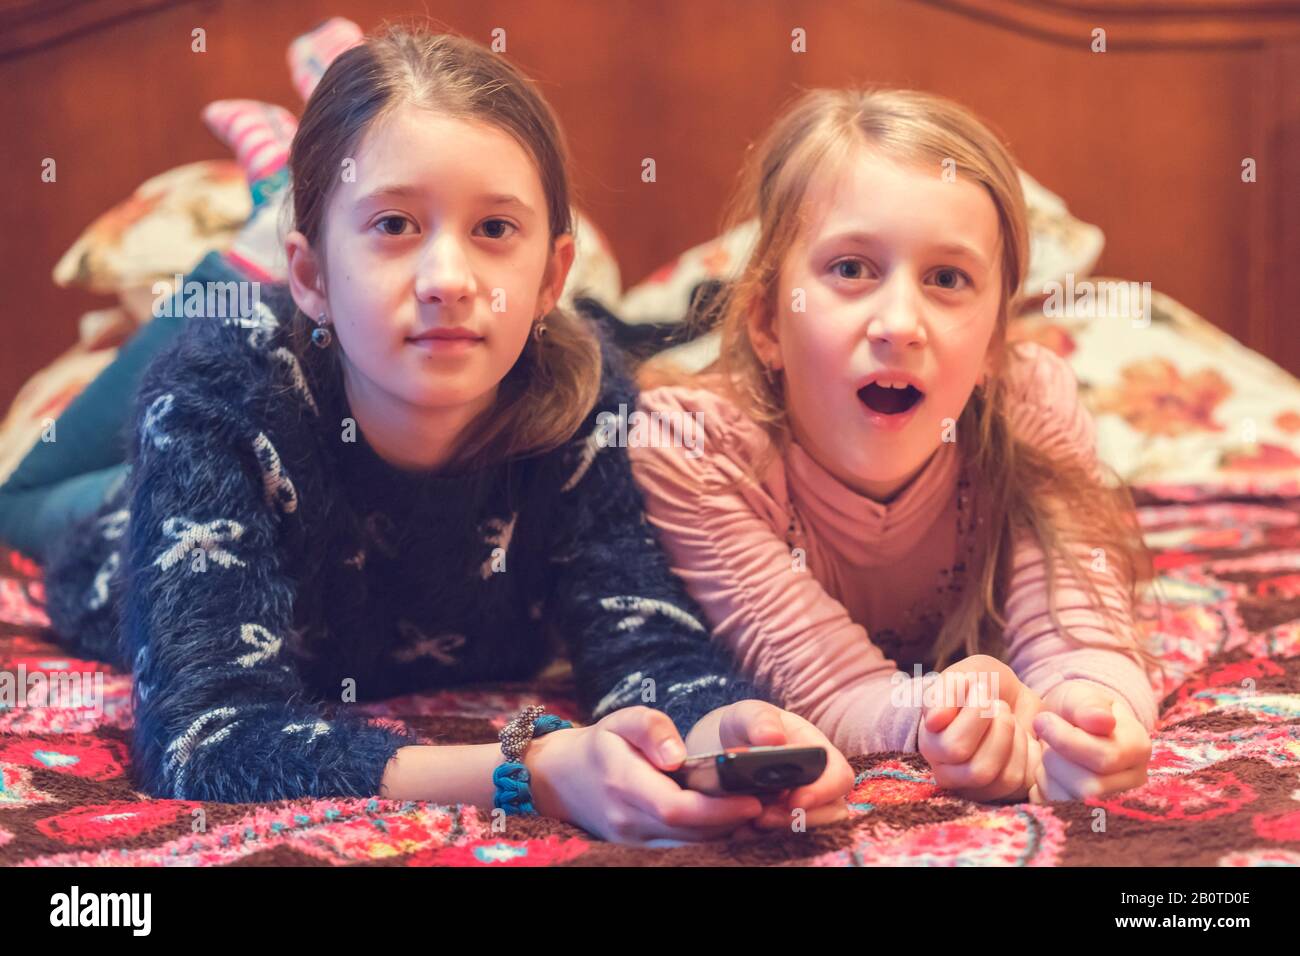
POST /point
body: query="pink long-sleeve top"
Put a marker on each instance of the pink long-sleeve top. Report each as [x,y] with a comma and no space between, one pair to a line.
[831,624]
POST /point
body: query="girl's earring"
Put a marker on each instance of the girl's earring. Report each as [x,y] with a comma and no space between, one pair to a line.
[539,330]
[321,336]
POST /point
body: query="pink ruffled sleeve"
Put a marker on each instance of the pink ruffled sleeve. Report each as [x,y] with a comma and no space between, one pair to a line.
[1045,410]
[778,621]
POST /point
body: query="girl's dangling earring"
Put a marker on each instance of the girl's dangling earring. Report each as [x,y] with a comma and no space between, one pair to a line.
[321,336]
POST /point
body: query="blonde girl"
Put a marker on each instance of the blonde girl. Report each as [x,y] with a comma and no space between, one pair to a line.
[887,486]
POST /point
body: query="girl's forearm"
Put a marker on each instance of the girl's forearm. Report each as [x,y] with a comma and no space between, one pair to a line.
[446,774]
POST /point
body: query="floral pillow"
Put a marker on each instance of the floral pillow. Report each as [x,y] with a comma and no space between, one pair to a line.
[167,225]
[1178,401]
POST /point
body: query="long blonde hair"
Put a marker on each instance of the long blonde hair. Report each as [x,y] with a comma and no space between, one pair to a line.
[1017,485]
[548,393]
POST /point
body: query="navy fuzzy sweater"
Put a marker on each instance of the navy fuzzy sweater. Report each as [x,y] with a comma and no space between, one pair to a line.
[257,572]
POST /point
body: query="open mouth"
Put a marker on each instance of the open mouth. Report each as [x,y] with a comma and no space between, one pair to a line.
[890,401]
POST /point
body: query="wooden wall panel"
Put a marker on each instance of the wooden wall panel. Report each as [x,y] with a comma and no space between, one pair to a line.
[1145,140]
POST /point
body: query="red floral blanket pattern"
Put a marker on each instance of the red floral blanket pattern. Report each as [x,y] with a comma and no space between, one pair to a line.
[1224,786]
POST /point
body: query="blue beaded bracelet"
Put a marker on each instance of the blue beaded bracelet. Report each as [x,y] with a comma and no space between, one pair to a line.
[511,778]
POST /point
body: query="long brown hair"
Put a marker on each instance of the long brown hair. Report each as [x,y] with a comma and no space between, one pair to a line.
[1018,486]
[547,394]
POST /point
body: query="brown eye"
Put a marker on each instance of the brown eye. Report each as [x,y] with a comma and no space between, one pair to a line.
[495,228]
[400,220]
[950,279]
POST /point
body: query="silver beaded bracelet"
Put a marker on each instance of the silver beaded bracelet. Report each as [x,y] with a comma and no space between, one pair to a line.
[518,733]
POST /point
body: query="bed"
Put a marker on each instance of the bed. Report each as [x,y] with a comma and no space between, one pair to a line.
[1222,789]
[1206,430]
[1221,512]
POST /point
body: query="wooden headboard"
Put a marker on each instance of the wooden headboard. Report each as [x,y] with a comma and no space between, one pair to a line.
[1146,140]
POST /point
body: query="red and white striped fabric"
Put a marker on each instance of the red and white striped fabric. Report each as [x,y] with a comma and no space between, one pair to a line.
[258,133]
[312,53]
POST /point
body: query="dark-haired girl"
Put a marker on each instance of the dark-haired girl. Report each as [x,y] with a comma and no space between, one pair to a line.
[386,480]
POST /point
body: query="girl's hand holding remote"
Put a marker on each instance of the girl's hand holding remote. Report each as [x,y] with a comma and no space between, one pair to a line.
[607,779]
[756,723]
